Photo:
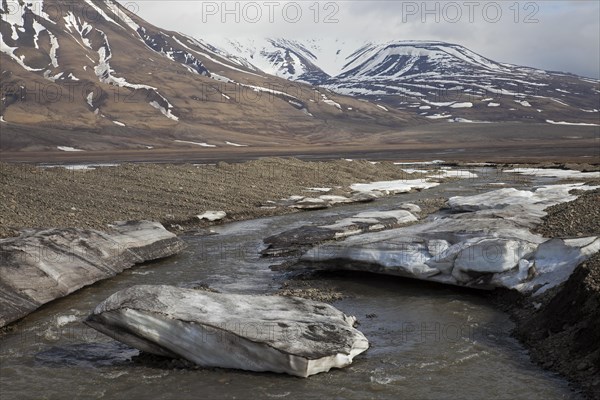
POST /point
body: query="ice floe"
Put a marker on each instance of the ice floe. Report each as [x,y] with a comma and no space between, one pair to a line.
[467,104]
[484,241]
[297,240]
[421,162]
[438,116]
[393,187]
[212,215]
[72,259]
[257,333]
[555,173]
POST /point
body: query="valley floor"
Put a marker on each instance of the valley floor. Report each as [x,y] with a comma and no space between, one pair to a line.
[493,142]
[36,197]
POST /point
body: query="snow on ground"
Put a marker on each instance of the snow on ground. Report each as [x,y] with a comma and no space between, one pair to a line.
[535,201]
[392,187]
[236,144]
[452,173]
[330,102]
[317,189]
[102,13]
[438,116]
[90,99]
[467,104]
[559,101]
[493,104]
[468,121]
[118,123]
[212,215]
[166,112]
[196,143]
[79,167]
[67,148]
[382,107]
[523,103]
[556,173]
[442,173]
[570,123]
[10,51]
[121,16]
[199,45]
[421,162]
[220,78]
[438,104]
[53,50]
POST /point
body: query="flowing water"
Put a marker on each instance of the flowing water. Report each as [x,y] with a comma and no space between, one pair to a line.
[427,341]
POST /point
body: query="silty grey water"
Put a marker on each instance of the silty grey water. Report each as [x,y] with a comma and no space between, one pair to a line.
[427,341]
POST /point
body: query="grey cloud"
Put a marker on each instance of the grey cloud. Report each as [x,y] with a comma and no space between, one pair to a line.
[565,38]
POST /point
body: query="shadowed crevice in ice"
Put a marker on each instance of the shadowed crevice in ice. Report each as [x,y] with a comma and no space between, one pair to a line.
[256,333]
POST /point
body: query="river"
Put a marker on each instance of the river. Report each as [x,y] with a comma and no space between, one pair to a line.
[427,341]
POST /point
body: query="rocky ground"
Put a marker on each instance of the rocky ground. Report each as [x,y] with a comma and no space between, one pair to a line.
[33,197]
[562,327]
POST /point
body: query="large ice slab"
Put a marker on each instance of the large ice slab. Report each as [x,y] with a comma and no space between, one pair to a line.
[42,265]
[484,241]
[556,173]
[299,239]
[256,333]
[394,187]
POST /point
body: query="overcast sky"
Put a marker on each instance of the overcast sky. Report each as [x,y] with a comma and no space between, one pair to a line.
[553,35]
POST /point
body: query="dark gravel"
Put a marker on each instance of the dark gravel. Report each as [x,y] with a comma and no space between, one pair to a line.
[562,327]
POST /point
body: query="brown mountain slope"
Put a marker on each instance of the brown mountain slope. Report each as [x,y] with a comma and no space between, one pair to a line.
[97,77]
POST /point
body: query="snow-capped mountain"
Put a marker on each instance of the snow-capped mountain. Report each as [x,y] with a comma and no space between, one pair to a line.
[92,75]
[433,78]
[312,61]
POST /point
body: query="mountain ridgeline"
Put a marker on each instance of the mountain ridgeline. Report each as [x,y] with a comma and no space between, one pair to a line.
[91,75]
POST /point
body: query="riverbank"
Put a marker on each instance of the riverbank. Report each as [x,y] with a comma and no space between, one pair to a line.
[34,197]
[562,327]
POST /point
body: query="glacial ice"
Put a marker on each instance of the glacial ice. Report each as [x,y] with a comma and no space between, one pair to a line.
[484,241]
[256,333]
